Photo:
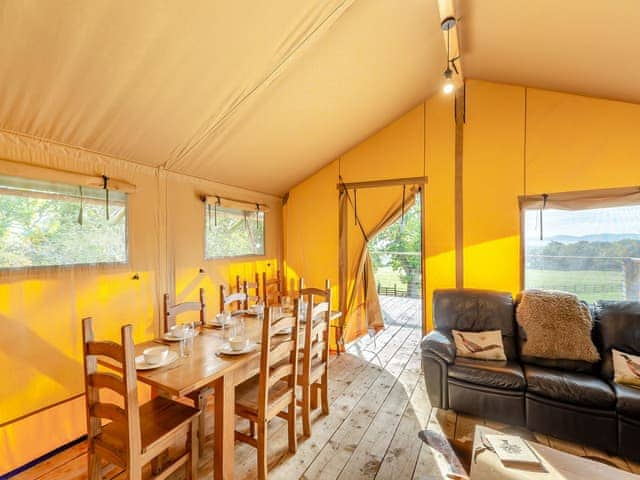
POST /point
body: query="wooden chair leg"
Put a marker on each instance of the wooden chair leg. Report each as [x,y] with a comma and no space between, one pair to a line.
[324,393]
[201,404]
[94,467]
[293,437]
[306,410]
[314,396]
[262,450]
[192,449]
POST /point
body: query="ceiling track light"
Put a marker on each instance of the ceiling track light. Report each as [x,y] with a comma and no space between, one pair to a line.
[446,25]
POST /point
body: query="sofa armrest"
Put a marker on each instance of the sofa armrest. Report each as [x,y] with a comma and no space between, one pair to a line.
[440,345]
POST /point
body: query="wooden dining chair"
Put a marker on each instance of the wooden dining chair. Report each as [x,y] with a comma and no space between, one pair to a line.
[234,300]
[172,311]
[252,290]
[136,434]
[271,289]
[266,395]
[313,372]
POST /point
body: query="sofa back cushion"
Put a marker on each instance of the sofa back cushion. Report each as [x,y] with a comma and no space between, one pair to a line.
[558,364]
[619,328]
[476,311]
[556,325]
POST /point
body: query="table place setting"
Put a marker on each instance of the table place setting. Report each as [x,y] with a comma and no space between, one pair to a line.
[221,320]
[155,357]
[238,342]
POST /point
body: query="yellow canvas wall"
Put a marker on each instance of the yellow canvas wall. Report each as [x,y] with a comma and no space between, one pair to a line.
[492,181]
[516,140]
[40,360]
[399,150]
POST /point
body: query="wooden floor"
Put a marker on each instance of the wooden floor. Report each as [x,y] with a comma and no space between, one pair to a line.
[378,406]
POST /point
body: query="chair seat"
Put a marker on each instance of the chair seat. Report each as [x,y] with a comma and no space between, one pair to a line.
[158,418]
[488,373]
[247,393]
[628,400]
[571,387]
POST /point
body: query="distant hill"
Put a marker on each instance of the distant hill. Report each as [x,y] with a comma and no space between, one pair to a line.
[599,237]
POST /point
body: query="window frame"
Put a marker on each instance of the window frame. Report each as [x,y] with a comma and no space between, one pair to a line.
[591,199]
[100,266]
[232,257]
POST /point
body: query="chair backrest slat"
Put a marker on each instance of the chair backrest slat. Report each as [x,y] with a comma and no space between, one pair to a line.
[106,349]
[279,373]
[172,311]
[110,411]
[237,298]
[107,380]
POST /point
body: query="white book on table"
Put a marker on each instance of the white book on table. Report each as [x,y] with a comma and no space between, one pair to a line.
[512,450]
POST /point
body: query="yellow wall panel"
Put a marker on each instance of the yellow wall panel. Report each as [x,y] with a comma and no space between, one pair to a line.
[312,230]
[580,143]
[395,151]
[493,177]
[439,209]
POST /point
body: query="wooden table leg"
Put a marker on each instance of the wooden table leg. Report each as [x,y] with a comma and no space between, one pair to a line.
[224,418]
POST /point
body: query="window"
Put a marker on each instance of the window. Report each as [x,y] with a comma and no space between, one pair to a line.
[232,232]
[50,224]
[592,252]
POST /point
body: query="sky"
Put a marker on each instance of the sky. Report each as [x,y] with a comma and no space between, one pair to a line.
[617,220]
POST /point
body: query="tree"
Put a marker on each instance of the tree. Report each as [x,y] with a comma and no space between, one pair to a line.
[403,240]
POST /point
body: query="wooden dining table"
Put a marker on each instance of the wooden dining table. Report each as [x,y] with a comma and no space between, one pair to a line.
[206,368]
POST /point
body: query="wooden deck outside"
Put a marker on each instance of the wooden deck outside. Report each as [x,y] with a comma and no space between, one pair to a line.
[378,406]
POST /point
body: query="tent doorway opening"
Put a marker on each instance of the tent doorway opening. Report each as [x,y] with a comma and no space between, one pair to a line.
[380,255]
[396,254]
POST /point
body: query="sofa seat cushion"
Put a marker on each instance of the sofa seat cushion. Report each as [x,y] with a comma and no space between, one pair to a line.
[628,403]
[494,374]
[570,387]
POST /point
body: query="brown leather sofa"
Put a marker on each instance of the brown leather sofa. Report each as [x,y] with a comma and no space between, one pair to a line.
[567,399]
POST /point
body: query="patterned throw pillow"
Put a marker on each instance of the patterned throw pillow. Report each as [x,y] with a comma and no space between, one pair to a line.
[626,368]
[479,345]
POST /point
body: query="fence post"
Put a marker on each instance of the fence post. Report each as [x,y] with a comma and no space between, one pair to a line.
[631,269]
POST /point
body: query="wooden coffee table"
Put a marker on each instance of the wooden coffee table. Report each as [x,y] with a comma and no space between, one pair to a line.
[556,465]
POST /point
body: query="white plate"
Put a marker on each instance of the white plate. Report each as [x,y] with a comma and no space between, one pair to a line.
[217,324]
[170,338]
[226,349]
[142,365]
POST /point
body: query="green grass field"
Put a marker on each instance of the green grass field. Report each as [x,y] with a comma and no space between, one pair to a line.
[386,277]
[590,285]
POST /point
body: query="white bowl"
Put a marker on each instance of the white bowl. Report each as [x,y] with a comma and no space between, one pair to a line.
[238,343]
[223,318]
[155,355]
[177,331]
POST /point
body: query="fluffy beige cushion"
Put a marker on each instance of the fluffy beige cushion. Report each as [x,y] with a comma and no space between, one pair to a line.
[481,345]
[557,325]
[626,368]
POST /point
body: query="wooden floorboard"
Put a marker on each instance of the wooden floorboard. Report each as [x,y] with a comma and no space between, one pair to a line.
[378,405]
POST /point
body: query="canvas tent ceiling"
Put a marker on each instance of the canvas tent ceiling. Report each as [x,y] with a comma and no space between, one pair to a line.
[589,47]
[261,94]
[258,94]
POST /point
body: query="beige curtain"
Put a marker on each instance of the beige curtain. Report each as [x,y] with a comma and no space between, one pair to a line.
[360,304]
[610,197]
